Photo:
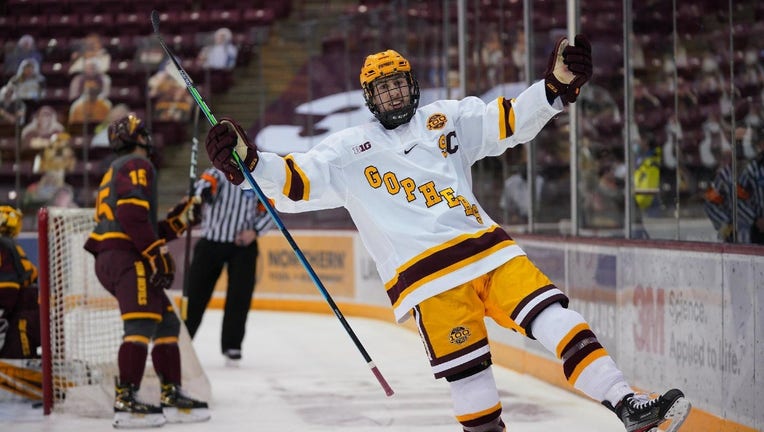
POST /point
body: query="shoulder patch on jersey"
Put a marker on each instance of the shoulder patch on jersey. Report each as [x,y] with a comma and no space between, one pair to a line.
[436,121]
[361,148]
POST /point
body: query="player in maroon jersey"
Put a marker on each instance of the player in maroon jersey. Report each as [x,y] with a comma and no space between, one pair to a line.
[19,313]
[132,262]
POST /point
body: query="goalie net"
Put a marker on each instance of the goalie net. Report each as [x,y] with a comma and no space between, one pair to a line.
[81,325]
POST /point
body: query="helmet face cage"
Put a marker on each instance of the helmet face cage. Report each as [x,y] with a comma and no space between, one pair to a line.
[381,66]
[125,133]
[10,221]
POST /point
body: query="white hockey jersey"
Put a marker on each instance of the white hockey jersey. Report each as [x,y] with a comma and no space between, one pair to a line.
[409,190]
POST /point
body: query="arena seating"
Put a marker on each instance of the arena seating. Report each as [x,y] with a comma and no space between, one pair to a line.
[59,25]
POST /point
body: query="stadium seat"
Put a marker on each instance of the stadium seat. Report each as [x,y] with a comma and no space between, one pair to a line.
[24,7]
[193,22]
[55,75]
[8,24]
[54,49]
[8,172]
[58,98]
[80,129]
[228,4]
[95,154]
[93,169]
[132,95]
[133,24]
[173,133]
[125,73]
[7,148]
[101,23]
[169,21]
[34,25]
[122,46]
[85,6]
[67,25]
[50,7]
[7,130]
[258,17]
[174,5]
[230,18]
[280,8]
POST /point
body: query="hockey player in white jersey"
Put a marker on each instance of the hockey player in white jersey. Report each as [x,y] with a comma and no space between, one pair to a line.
[406,182]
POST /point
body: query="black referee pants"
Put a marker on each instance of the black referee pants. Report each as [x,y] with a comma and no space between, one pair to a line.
[208,261]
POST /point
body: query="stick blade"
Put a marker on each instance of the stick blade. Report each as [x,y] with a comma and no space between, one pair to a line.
[155,20]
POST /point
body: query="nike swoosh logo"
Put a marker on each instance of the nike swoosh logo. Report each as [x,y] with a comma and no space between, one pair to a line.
[410,148]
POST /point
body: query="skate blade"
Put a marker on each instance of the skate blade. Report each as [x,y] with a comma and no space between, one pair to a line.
[195,415]
[232,363]
[125,420]
[677,414]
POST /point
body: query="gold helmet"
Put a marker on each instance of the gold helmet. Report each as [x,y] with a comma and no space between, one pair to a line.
[384,64]
[10,221]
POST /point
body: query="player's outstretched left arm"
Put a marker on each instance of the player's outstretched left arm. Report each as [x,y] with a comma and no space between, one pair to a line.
[568,69]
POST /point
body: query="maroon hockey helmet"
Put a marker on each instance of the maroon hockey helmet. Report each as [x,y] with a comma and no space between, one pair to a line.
[128,132]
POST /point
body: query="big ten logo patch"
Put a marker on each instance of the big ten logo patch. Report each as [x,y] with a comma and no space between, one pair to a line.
[459,335]
[361,148]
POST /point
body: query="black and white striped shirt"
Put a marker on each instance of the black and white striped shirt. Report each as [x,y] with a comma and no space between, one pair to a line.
[751,203]
[231,209]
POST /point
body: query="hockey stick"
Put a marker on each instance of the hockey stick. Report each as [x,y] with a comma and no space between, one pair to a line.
[276,219]
[191,181]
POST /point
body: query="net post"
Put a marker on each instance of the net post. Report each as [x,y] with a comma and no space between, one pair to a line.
[44,301]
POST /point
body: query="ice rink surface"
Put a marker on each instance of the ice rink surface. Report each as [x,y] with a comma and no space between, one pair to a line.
[302,373]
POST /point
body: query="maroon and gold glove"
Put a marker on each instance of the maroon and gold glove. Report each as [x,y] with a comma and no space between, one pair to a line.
[187,213]
[161,271]
[222,140]
[568,69]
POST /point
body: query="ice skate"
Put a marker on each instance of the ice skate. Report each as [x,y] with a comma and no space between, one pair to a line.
[232,357]
[643,413]
[131,413]
[179,408]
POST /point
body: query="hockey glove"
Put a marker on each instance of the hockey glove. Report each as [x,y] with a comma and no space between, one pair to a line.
[185,214]
[209,187]
[568,69]
[225,138]
[161,263]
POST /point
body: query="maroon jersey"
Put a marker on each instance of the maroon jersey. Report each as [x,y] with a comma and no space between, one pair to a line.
[126,213]
[16,273]
[18,300]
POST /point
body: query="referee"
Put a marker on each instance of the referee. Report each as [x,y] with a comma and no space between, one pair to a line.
[232,219]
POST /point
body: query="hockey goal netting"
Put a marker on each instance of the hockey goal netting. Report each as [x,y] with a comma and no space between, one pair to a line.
[81,325]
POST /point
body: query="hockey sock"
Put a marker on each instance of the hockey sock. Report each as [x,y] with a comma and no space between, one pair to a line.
[166,360]
[586,364]
[476,402]
[132,362]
